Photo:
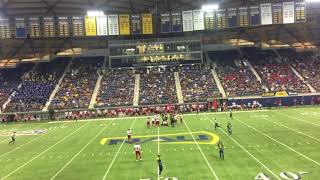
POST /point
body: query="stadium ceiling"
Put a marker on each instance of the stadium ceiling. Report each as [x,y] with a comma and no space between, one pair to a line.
[300,36]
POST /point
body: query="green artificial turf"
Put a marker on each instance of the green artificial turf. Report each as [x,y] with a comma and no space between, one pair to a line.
[266,141]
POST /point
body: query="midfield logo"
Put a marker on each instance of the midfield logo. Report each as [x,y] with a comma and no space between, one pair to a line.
[202,137]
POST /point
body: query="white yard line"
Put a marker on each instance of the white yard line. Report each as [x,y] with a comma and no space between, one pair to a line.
[34,139]
[80,151]
[20,167]
[292,117]
[4,141]
[205,158]
[114,158]
[279,142]
[256,159]
[158,149]
[292,129]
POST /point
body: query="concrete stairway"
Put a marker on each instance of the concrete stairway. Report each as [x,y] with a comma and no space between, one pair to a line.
[178,88]
[301,78]
[217,80]
[55,90]
[95,91]
[136,93]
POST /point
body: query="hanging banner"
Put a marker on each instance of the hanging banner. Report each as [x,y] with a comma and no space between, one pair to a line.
[113,24]
[124,24]
[78,26]
[165,23]
[102,25]
[136,24]
[288,12]
[221,19]
[198,20]
[277,13]
[209,20]
[300,15]
[266,14]
[90,25]
[243,17]
[48,27]
[21,29]
[34,27]
[63,26]
[176,22]
[147,25]
[254,16]
[187,21]
[232,17]
[5,28]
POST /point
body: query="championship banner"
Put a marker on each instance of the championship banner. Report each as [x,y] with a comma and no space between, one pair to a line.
[5,28]
[165,23]
[254,16]
[48,27]
[124,24]
[270,94]
[63,26]
[147,25]
[288,12]
[113,24]
[221,19]
[34,27]
[90,25]
[277,13]
[232,17]
[187,21]
[198,20]
[243,17]
[102,25]
[176,22]
[78,26]
[300,15]
[21,29]
[281,94]
[266,14]
[209,20]
[136,24]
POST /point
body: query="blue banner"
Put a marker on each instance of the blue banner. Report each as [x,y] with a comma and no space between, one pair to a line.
[255,16]
[176,22]
[21,29]
[232,17]
[165,23]
[136,28]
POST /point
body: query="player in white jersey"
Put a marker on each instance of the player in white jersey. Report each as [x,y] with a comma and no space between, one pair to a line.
[156,119]
[137,149]
[129,135]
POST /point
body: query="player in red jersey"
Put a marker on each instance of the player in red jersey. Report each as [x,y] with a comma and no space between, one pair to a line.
[137,149]
[129,135]
[148,122]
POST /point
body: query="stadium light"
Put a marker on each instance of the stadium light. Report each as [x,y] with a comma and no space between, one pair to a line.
[210,7]
[95,13]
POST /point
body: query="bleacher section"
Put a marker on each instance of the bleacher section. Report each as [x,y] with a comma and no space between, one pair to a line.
[197,84]
[157,86]
[117,88]
[10,80]
[77,86]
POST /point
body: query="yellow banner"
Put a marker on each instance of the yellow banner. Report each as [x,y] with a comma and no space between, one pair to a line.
[281,94]
[90,24]
[124,23]
[147,27]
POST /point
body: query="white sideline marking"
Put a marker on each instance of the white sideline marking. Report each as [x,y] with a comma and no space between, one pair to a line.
[278,142]
[205,158]
[158,149]
[3,141]
[293,129]
[42,152]
[80,151]
[26,143]
[247,151]
[114,158]
[291,117]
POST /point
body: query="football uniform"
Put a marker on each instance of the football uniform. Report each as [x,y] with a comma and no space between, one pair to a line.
[129,135]
[137,149]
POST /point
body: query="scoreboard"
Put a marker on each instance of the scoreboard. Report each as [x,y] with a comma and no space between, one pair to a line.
[142,24]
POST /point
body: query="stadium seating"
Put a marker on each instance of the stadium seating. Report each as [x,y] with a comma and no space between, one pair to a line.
[116,89]
[10,80]
[77,87]
[37,86]
[197,84]
[157,86]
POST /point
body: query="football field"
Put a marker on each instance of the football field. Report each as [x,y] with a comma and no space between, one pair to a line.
[266,144]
